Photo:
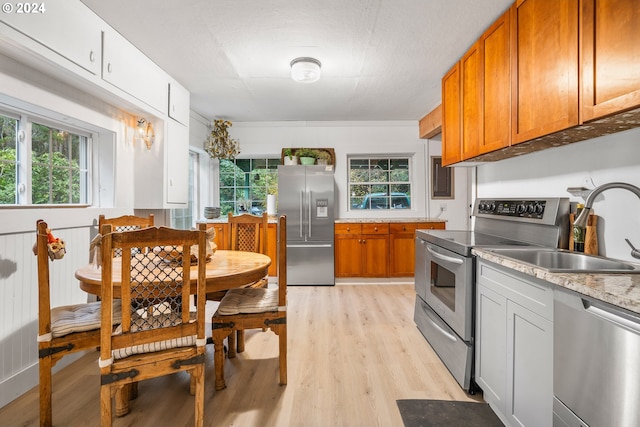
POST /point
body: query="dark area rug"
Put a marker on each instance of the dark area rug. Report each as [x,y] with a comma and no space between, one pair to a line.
[445,413]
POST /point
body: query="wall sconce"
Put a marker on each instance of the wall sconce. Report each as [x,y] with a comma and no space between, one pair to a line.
[145,132]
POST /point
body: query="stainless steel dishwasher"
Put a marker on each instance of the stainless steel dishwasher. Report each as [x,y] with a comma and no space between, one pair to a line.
[596,363]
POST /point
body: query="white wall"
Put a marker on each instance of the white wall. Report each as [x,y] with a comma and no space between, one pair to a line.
[348,138]
[589,163]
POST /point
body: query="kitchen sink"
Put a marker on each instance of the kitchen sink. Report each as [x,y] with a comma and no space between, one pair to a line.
[563,261]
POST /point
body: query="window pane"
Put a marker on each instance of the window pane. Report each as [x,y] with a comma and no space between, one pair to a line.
[245,183]
[379,183]
[8,160]
[56,175]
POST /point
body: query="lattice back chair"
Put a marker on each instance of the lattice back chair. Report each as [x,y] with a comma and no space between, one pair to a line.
[158,334]
[61,330]
[254,308]
[126,223]
[246,233]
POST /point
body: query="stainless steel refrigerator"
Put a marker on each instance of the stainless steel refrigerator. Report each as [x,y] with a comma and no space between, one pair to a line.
[306,196]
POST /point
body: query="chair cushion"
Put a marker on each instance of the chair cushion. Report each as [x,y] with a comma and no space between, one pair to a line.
[144,323]
[249,300]
[80,317]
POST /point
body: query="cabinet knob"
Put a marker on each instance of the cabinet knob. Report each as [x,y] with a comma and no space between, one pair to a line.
[92,56]
[109,67]
[404,228]
[348,228]
[375,228]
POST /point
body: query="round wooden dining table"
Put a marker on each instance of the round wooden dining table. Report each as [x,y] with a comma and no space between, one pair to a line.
[226,270]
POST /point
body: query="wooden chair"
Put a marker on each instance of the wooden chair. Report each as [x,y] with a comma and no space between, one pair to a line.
[161,336]
[61,330]
[254,308]
[126,223]
[246,233]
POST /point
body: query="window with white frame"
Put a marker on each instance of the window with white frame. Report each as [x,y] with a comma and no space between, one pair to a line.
[245,183]
[379,182]
[42,162]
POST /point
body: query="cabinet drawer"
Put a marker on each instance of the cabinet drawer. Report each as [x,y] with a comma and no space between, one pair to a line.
[348,228]
[531,293]
[375,228]
[404,227]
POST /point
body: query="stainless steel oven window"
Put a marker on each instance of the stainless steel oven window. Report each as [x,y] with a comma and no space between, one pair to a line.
[443,285]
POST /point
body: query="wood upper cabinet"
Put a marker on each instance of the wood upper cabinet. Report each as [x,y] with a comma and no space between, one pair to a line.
[451,117]
[610,54]
[402,246]
[544,67]
[471,66]
[496,85]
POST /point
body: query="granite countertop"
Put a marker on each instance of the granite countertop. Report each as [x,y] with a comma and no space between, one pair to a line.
[385,220]
[622,290]
[273,219]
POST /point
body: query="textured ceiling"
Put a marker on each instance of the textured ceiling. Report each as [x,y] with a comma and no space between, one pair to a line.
[381,59]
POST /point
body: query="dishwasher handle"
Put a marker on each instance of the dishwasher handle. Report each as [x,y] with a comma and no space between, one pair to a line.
[611,316]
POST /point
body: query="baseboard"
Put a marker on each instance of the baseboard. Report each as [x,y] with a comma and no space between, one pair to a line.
[20,383]
[375,281]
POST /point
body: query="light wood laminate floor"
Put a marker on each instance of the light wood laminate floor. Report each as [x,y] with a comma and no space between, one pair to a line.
[353,350]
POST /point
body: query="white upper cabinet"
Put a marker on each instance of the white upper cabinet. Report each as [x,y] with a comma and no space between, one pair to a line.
[68,28]
[179,99]
[127,68]
[177,169]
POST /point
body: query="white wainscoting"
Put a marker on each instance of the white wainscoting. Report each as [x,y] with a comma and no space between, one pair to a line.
[19,303]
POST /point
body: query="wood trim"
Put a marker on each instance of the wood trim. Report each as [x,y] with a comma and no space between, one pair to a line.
[331,151]
[431,124]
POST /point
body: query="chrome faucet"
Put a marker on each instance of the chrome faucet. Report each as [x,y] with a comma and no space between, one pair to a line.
[581,220]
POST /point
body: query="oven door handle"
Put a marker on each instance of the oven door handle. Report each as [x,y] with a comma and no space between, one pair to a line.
[443,331]
[444,257]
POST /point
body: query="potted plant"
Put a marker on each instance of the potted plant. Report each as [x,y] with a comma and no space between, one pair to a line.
[307,156]
[324,158]
[289,157]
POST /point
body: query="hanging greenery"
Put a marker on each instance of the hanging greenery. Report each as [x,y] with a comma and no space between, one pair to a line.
[219,145]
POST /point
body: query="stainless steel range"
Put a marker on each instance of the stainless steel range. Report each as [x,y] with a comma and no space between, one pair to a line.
[445,270]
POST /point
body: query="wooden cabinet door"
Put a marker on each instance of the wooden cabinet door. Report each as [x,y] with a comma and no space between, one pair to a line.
[375,255]
[402,254]
[610,42]
[348,255]
[272,248]
[222,235]
[451,124]
[545,67]
[471,66]
[402,246]
[496,86]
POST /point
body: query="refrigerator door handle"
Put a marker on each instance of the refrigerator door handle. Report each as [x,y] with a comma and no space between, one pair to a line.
[320,245]
[309,217]
[301,204]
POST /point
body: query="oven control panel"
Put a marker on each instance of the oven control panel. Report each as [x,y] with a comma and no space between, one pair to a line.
[533,209]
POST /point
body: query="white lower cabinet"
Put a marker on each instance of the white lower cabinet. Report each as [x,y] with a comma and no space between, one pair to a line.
[514,345]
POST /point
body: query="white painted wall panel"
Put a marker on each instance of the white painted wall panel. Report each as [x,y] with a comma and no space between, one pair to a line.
[19,300]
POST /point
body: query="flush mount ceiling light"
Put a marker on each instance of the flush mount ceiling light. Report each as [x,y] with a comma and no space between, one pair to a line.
[305,70]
